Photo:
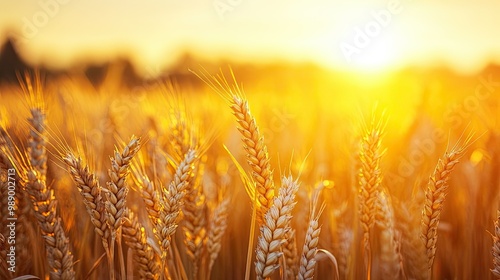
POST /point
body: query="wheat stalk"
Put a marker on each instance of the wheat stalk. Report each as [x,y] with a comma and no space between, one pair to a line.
[370,178]
[179,133]
[253,140]
[44,202]
[36,150]
[257,156]
[291,255]
[134,235]
[158,163]
[116,188]
[390,257]
[32,88]
[310,247]
[116,193]
[435,195]
[36,161]
[216,229]
[345,240]
[171,202]
[307,261]
[36,141]
[342,238]
[274,228]
[194,224]
[412,248]
[90,190]
[56,243]
[150,197]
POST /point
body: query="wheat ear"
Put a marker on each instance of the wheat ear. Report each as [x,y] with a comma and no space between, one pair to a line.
[217,227]
[31,86]
[56,243]
[291,255]
[257,156]
[345,241]
[116,188]
[179,133]
[44,202]
[134,235]
[253,140]
[116,193]
[412,248]
[274,228]
[150,197]
[90,190]
[194,224]
[435,195]
[157,162]
[370,178]
[37,141]
[310,248]
[171,202]
[496,248]
[37,158]
[390,256]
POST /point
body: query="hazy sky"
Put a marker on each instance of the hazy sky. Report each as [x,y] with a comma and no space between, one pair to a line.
[355,33]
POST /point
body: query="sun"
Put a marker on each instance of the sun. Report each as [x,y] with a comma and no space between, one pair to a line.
[381,55]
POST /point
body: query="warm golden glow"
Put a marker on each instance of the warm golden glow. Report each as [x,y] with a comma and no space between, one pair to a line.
[367,132]
[385,34]
[477,156]
[328,184]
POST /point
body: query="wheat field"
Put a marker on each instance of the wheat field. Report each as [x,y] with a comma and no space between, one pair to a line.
[286,175]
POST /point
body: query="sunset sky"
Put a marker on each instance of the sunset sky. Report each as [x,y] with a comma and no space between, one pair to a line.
[342,34]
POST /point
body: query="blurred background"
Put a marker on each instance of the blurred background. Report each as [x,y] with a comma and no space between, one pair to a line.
[156,36]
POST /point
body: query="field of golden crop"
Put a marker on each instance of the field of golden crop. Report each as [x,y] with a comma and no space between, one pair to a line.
[276,174]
